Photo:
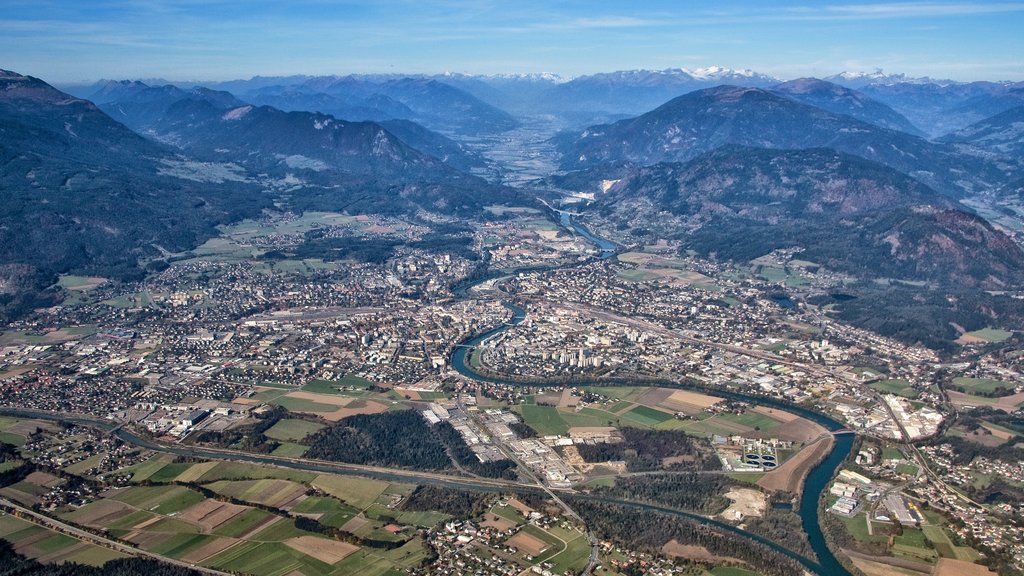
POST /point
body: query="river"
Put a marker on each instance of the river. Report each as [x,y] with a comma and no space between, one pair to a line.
[815,484]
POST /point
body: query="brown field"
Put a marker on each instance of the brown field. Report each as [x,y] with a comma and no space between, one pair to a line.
[790,476]
[340,401]
[324,550]
[42,479]
[527,544]
[1001,434]
[951,567]
[519,505]
[774,414]
[497,522]
[410,394]
[687,397]
[797,430]
[210,513]
[212,547]
[699,553]
[355,523]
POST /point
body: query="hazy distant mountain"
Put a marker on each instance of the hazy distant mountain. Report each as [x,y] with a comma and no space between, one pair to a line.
[848,214]
[841,100]
[701,121]
[636,91]
[434,104]
[851,79]
[1002,133]
[84,193]
[194,120]
[939,108]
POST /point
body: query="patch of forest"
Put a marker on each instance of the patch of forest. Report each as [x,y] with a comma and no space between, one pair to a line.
[458,503]
[401,439]
[649,531]
[687,490]
[645,450]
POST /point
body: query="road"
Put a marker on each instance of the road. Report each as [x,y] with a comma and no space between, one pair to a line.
[58,526]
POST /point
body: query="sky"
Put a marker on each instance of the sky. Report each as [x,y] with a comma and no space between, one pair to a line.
[71,41]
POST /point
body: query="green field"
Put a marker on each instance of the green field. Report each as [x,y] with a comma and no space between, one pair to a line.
[333,512]
[752,419]
[242,523]
[994,335]
[647,416]
[243,471]
[292,429]
[982,385]
[359,493]
[895,386]
[270,558]
[159,499]
[334,386]
[575,556]
[290,450]
[544,419]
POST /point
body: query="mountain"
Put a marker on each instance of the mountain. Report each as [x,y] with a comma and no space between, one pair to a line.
[941,107]
[636,91]
[690,125]
[375,108]
[847,213]
[841,100]
[852,79]
[200,121]
[83,193]
[434,104]
[1002,134]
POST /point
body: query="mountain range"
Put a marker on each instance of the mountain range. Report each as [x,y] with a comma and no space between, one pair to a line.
[701,121]
[846,213]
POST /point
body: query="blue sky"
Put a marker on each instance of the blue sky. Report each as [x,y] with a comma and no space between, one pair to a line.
[82,40]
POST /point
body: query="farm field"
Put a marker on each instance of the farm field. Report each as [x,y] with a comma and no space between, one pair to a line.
[896,386]
[47,546]
[981,385]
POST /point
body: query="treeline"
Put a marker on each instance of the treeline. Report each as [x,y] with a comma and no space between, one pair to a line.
[461,504]
[400,439]
[686,491]
[644,450]
[14,564]
[649,531]
[466,458]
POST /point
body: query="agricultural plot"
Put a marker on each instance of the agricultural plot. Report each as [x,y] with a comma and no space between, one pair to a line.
[646,416]
[42,544]
[981,385]
[895,386]
[292,430]
[544,419]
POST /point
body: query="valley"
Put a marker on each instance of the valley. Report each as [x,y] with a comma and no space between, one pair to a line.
[436,336]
